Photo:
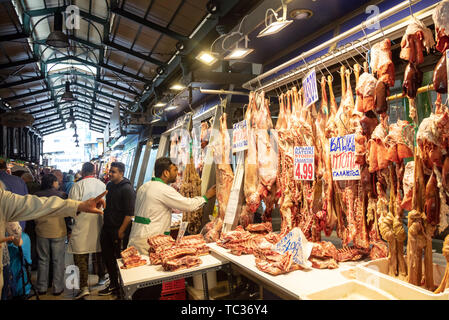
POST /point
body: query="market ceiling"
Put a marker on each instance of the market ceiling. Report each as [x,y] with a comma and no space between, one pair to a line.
[126,51]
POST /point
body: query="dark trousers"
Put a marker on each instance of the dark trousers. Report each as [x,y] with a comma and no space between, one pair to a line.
[110,249]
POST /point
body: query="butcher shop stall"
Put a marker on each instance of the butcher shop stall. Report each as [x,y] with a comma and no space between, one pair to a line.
[329,152]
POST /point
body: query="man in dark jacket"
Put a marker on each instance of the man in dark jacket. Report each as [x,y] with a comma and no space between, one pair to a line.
[120,201]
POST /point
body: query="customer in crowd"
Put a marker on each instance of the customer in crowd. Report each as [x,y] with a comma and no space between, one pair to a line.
[78,176]
[60,176]
[120,202]
[68,183]
[155,202]
[85,238]
[12,183]
[19,208]
[50,240]
[13,230]
[32,185]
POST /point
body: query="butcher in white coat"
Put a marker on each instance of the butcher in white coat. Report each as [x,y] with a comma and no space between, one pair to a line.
[155,202]
[85,238]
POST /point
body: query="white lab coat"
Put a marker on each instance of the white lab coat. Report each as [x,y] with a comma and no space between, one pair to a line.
[156,200]
[86,230]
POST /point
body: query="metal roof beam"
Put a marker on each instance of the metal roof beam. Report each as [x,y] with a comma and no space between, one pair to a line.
[116,86]
[128,15]
[26,95]
[13,37]
[34,104]
[83,14]
[17,83]
[93,89]
[42,110]
[49,121]
[134,53]
[53,131]
[101,64]
[18,63]
[85,95]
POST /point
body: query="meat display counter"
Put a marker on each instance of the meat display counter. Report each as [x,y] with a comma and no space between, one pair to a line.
[149,275]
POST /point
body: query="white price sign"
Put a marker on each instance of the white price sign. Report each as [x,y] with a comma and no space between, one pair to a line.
[182,230]
[310,88]
[240,136]
[304,168]
[342,152]
[296,243]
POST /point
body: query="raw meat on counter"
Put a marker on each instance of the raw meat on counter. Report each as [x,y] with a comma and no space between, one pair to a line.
[131,258]
[175,256]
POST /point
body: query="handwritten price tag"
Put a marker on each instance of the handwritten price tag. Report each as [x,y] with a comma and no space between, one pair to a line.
[182,230]
[240,136]
[310,88]
[342,152]
[304,163]
[296,243]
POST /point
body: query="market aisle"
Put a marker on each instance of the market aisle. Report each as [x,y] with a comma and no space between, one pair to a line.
[69,294]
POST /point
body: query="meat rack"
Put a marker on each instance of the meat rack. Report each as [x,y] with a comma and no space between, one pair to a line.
[290,71]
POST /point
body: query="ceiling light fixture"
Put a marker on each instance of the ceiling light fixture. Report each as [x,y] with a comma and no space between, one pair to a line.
[68,95]
[177,87]
[57,38]
[173,107]
[160,104]
[276,26]
[301,14]
[207,57]
[239,53]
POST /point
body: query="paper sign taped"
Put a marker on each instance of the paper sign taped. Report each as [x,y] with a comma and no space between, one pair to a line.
[342,152]
[304,168]
[240,136]
[296,243]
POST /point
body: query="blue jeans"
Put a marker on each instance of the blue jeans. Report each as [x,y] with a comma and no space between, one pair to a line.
[56,249]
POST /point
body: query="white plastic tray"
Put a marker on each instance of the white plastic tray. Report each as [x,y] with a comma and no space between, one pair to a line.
[375,273]
[351,290]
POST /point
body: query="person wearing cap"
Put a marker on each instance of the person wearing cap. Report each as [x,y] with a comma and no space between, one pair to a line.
[155,202]
[14,207]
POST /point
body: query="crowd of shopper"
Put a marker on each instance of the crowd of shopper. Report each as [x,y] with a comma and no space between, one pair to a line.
[54,229]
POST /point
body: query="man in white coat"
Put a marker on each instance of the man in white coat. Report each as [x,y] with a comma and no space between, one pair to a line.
[85,238]
[155,202]
[14,207]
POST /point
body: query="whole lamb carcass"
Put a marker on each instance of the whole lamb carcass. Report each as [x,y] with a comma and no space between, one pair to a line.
[441,20]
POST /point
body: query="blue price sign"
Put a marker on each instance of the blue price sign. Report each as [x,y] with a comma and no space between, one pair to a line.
[310,88]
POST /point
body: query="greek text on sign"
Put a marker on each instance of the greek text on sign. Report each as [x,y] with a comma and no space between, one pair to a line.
[342,152]
[296,243]
[304,168]
[310,88]
[240,136]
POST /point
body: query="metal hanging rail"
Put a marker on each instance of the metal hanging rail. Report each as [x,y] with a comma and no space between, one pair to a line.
[395,29]
[426,88]
[210,91]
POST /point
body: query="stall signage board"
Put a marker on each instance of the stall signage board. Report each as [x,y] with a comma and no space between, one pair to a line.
[304,168]
[234,197]
[310,88]
[240,137]
[342,152]
[296,243]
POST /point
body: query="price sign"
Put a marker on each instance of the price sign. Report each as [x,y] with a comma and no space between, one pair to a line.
[182,230]
[296,243]
[304,168]
[342,152]
[310,88]
[240,136]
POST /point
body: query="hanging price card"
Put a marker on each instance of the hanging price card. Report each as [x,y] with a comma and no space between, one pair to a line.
[240,136]
[342,152]
[304,163]
[310,88]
